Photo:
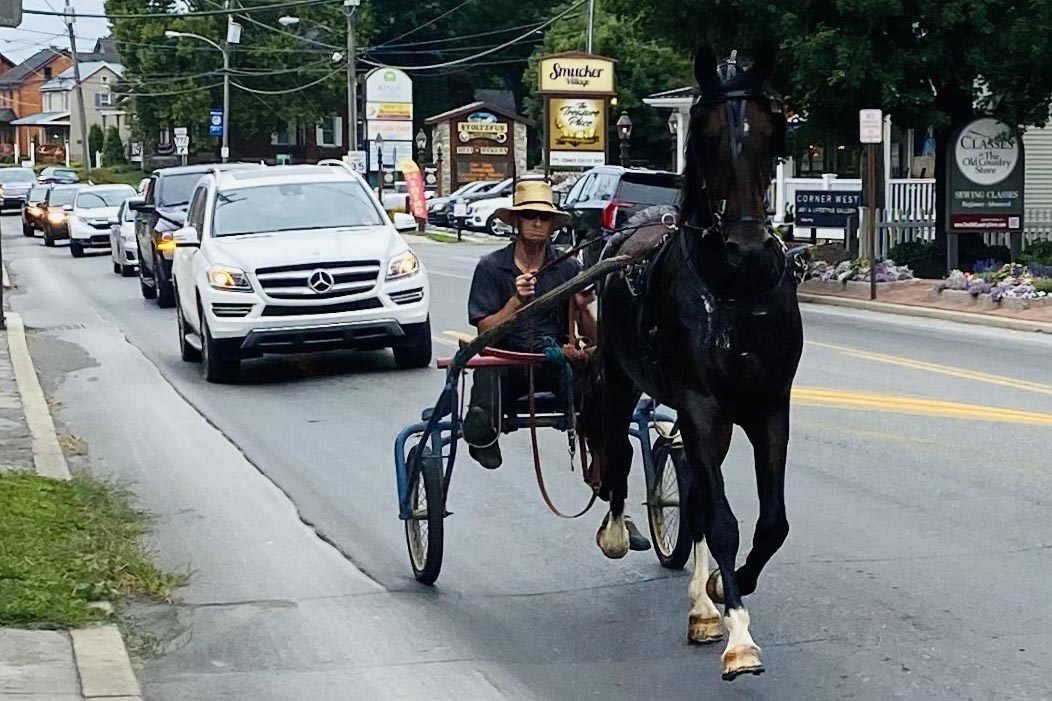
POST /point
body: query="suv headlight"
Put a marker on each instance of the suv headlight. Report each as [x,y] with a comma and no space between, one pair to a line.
[221,277]
[404,265]
[438,207]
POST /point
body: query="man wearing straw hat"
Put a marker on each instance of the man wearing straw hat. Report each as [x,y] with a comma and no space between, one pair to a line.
[504,281]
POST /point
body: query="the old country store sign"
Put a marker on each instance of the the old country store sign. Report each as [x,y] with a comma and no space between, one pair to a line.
[986,175]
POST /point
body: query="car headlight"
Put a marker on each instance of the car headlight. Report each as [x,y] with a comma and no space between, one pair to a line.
[438,207]
[221,277]
[33,211]
[56,216]
[402,266]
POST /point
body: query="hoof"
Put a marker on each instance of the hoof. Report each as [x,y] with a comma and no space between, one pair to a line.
[714,587]
[613,541]
[704,631]
[744,660]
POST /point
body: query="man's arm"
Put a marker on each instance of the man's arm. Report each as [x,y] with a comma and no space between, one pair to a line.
[525,289]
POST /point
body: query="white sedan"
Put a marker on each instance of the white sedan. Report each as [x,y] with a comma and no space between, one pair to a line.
[482,216]
[123,248]
[89,222]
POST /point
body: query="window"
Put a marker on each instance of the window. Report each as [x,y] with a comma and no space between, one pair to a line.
[329,131]
[605,185]
[104,198]
[196,216]
[176,190]
[284,135]
[578,188]
[103,99]
[293,207]
[47,72]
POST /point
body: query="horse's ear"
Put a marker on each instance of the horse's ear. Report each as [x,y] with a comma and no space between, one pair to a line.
[763,62]
[705,67]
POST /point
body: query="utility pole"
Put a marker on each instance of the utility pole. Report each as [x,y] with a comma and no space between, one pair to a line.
[591,24]
[224,152]
[70,19]
[352,78]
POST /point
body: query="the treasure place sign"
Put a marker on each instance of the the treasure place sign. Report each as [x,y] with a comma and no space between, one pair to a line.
[985,178]
[577,89]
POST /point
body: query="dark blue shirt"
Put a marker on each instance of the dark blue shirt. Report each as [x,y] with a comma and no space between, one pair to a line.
[494,284]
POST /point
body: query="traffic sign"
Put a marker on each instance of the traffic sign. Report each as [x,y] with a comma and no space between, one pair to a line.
[870,126]
[182,145]
[358,161]
[215,122]
[179,131]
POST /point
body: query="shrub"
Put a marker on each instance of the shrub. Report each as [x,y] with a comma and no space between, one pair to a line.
[112,148]
[95,140]
[1040,253]
[926,259]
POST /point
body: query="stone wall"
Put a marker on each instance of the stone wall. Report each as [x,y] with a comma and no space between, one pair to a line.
[440,138]
[520,148]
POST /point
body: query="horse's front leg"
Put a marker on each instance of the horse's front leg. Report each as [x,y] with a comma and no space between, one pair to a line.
[618,401]
[702,423]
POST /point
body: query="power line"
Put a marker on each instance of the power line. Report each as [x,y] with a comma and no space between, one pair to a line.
[425,24]
[197,13]
[288,91]
[168,93]
[455,39]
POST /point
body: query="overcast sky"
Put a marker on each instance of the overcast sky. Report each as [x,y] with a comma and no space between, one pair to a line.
[37,31]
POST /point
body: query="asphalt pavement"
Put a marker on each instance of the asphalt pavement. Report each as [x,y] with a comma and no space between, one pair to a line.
[917,565]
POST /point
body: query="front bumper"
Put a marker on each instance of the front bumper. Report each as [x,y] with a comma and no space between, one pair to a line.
[129,252]
[90,237]
[13,201]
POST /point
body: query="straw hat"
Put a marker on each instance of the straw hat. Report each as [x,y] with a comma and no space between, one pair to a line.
[533,196]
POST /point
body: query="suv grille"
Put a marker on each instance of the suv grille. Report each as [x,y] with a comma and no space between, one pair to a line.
[291,282]
[316,309]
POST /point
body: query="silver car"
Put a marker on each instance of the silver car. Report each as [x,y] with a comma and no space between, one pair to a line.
[15,184]
[123,248]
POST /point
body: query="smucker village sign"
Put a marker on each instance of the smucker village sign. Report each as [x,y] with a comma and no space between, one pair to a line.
[577,88]
[986,177]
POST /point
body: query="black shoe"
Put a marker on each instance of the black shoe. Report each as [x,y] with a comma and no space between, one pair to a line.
[636,540]
[478,431]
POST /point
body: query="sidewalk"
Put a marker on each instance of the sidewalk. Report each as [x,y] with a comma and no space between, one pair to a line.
[51,665]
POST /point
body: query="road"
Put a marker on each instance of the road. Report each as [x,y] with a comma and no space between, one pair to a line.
[918,495]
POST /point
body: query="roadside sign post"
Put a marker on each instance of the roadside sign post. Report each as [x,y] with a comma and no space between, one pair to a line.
[182,143]
[871,133]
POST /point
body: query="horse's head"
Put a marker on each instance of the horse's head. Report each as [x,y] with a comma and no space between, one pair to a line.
[737,131]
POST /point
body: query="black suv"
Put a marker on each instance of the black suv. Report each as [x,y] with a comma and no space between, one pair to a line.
[605,197]
[163,210]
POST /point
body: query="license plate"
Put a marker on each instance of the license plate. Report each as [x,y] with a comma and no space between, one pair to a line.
[460,210]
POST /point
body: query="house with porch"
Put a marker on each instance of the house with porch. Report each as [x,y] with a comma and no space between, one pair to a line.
[21,96]
[908,167]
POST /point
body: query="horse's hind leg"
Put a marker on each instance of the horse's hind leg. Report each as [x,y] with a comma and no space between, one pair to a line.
[619,397]
[770,440]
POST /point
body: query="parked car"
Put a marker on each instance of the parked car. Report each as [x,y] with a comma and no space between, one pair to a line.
[162,211]
[57,174]
[505,188]
[89,222]
[15,184]
[482,215]
[33,210]
[606,196]
[123,248]
[294,259]
[57,206]
[439,209]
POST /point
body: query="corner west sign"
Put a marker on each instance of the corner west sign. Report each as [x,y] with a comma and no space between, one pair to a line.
[985,178]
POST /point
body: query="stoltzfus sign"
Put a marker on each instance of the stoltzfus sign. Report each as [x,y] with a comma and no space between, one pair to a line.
[985,177]
[576,73]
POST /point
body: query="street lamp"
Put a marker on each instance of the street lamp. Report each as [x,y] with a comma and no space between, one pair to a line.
[624,133]
[421,144]
[673,123]
[380,166]
[673,128]
[233,36]
[438,152]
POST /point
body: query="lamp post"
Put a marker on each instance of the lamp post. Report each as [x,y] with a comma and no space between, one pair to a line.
[421,144]
[624,133]
[380,166]
[438,149]
[233,36]
[673,128]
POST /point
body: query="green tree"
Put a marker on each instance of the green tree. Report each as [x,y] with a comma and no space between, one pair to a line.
[95,139]
[927,63]
[112,148]
[645,66]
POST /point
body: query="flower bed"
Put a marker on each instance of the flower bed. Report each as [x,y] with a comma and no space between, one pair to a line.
[1013,286]
[826,277]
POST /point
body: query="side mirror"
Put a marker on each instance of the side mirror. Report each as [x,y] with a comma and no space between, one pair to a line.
[142,207]
[186,237]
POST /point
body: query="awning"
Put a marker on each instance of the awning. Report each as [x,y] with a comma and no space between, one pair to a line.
[44,119]
[7,115]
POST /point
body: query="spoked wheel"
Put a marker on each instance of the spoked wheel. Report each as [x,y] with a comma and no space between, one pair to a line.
[668,527]
[424,529]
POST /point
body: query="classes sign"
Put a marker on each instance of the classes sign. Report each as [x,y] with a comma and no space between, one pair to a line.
[821,209]
[576,73]
[986,171]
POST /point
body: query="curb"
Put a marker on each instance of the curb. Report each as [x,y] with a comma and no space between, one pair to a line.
[928,313]
[103,665]
[48,458]
[6,280]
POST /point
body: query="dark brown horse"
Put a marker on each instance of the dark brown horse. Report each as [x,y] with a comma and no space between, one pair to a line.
[711,329]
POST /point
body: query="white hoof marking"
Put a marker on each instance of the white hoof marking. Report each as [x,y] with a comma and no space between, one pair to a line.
[613,537]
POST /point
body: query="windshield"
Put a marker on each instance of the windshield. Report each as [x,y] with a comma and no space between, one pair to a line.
[104,198]
[177,189]
[63,195]
[664,191]
[60,173]
[38,193]
[293,206]
[16,175]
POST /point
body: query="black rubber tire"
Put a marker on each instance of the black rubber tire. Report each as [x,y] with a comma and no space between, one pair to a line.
[165,290]
[27,230]
[48,240]
[147,289]
[127,271]
[426,559]
[188,353]
[75,249]
[117,268]
[489,225]
[414,350]
[673,554]
[218,364]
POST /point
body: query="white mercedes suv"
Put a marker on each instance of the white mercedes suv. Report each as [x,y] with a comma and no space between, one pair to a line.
[294,259]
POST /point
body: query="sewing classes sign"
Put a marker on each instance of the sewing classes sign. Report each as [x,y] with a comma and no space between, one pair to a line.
[985,178]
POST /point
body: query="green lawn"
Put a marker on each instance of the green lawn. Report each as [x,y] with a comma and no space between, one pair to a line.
[65,544]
